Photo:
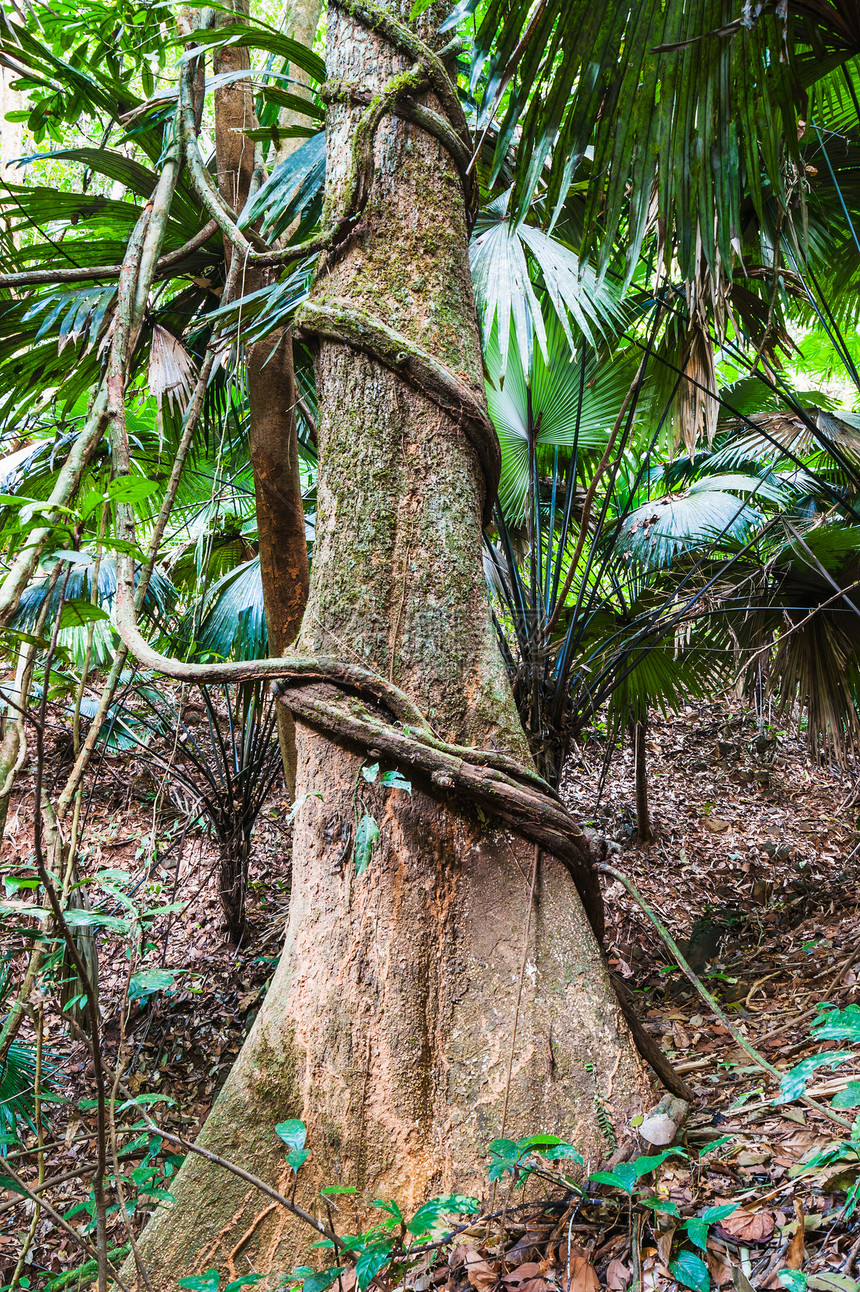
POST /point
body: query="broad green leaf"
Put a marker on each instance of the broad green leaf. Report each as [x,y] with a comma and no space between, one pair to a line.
[714,1214]
[370,773]
[147,982]
[691,1272]
[293,1133]
[847,1098]
[563,1152]
[502,1148]
[644,1165]
[432,1211]
[538,1142]
[838,1024]
[318,1282]
[394,780]
[365,837]
[208,1282]
[794,1082]
[132,489]
[371,1261]
[76,917]
[697,1231]
[623,1177]
[661,1205]
[79,613]
[297,1158]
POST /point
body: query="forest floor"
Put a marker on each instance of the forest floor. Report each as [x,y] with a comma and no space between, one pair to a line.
[753,868]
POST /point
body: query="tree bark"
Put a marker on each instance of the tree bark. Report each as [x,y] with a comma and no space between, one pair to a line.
[273,442]
[391,1026]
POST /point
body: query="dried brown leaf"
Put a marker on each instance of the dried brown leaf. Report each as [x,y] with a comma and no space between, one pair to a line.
[479,1272]
[528,1270]
[618,1276]
[583,1276]
[749,1226]
[795,1250]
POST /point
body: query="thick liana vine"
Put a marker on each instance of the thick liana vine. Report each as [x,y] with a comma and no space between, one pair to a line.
[345,702]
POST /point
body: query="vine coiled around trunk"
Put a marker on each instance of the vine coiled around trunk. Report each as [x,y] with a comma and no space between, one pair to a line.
[345,702]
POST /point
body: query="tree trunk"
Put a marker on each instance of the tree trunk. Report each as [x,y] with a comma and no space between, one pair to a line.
[301,22]
[274,449]
[389,1025]
[638,736]
[273,442]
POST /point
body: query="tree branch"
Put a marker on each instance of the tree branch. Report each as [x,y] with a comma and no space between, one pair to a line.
[82,274]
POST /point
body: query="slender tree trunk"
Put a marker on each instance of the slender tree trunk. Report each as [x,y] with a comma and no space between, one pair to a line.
[273,440]
[638,737]
[394,1025]
[280,513]
[301,22]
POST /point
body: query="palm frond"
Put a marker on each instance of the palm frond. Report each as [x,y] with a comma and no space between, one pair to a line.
[500,253]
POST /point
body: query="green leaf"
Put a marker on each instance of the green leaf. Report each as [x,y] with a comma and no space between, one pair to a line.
[713,1214]
[538,1142]
[131,489]
[794,1082]
[660,1205]
[715,1144]
[365,837]
[794,1280]
[503,1147]
[837,1024]
[243,1281]
[208,1282]
[254,36]
[624,1177]
[370,773]
[297,1158]
[318,1282]
[431,1212]
[371,1261]
[691,1272]
[78,613]
[847,1098]
[645,1165]
[697,1231]
[293,1133]
[391,1208]
[12,1186]
[395,781]
[293,188]
[78,918]
[146,983]
[563,1152]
